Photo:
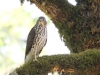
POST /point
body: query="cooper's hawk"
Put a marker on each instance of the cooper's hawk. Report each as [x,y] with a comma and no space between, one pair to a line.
[36,40]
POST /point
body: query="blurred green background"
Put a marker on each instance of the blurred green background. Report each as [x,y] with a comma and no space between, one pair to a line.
[14,27]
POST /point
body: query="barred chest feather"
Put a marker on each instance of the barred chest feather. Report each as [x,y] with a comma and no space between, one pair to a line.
[38,44]
[40,40]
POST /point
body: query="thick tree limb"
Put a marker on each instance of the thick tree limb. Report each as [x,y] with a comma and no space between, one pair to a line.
[54,8]
[84,63]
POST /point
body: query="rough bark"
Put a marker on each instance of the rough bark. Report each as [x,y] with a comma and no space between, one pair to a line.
[80,28]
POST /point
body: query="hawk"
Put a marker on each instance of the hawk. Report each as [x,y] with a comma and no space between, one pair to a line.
[36,40]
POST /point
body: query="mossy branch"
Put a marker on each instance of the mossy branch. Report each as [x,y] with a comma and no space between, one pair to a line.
[84,63]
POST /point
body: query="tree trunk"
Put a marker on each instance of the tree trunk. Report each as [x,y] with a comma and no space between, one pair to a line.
[80,28]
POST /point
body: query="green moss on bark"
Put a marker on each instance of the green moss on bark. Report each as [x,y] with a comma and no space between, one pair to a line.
[84,63]
[81,30]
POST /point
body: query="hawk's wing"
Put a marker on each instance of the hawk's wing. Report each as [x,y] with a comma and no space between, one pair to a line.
[30,41]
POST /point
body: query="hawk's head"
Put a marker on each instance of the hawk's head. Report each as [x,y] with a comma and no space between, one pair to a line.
[42,21]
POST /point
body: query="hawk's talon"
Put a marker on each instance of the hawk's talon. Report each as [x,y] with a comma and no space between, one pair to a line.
[35,60]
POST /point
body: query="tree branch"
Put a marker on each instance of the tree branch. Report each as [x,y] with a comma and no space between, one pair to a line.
[84,63]
[55,9]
